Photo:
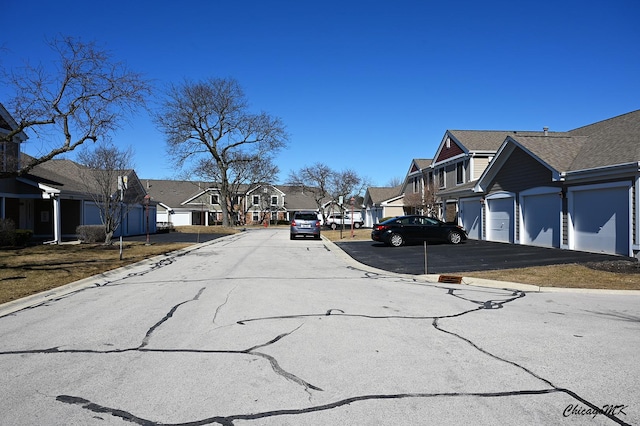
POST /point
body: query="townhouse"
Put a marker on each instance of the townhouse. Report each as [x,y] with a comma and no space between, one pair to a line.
[199,203]
[574,190]
[53,199]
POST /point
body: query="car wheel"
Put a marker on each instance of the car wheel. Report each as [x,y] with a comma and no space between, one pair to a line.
[334,226]
[356,225]
[292,236]
[396,240]
[454,237]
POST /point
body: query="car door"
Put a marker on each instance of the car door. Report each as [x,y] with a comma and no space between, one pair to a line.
[432,229]
[412,229]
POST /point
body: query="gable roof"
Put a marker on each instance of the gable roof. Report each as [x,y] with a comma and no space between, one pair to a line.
[419,164]
[297,199]
[7,124]
[557,150]
[608,143]
[379,195]
[264,185]
[174,193]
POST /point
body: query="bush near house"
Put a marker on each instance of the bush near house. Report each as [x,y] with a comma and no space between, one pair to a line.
[91,233]
[12,237]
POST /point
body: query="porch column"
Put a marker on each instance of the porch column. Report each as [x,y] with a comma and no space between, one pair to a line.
[57,220]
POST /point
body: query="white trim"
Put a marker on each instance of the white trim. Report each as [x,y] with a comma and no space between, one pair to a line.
[636,246]
[199,194]
[450,160]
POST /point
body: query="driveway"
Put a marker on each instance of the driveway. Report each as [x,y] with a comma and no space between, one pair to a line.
[473,255]
[256,329]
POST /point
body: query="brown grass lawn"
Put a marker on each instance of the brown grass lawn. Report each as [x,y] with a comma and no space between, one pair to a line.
[31,270]
[35,269]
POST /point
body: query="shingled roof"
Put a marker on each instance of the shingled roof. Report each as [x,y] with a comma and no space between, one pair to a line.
[609,142]
[484,140]
[173,193]
[605,143]
[381,194]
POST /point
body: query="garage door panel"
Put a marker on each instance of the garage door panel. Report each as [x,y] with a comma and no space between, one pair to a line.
[471,218]
[601,220]
[500,221]
[541,220]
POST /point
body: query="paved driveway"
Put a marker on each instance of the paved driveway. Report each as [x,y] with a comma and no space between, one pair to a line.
[256,329]
[473,255]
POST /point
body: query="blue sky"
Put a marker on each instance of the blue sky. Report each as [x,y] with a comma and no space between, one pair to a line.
[367,85]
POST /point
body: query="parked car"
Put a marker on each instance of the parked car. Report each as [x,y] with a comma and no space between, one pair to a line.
[336,220]
[305,223]
[406,229]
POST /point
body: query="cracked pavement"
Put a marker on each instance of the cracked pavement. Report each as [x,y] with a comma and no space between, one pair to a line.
[255,329]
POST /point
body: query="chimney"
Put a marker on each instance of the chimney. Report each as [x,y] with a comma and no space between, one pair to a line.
[546,131]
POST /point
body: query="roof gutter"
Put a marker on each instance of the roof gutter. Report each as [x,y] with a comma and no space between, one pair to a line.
[601,172]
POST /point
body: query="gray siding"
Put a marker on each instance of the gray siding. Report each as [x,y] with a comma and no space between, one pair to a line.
[521,172]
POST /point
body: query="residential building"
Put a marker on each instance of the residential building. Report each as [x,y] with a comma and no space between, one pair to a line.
[55,197]
[382,202]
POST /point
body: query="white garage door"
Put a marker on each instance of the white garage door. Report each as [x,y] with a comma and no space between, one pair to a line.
[600,219]
[470,217]
[500,219]
[541,218]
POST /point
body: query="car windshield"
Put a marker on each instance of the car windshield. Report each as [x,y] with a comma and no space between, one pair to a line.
[306,216]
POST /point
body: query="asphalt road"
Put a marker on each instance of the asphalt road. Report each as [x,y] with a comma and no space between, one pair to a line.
[175,237]
[256,329]
[470,256]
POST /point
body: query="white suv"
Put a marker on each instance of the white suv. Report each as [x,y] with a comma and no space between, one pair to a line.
[336,220]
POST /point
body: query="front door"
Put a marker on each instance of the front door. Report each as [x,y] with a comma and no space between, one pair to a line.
[26,214]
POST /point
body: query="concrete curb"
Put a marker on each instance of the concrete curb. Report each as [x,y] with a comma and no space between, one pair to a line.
[94,280]
[476,282]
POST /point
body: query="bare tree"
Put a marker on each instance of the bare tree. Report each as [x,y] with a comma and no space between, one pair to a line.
[328,185]
[210,119]
[395,181]
[83,97]
[244,172]
[103,168]
[423,202]
[347,184]
[314,180]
